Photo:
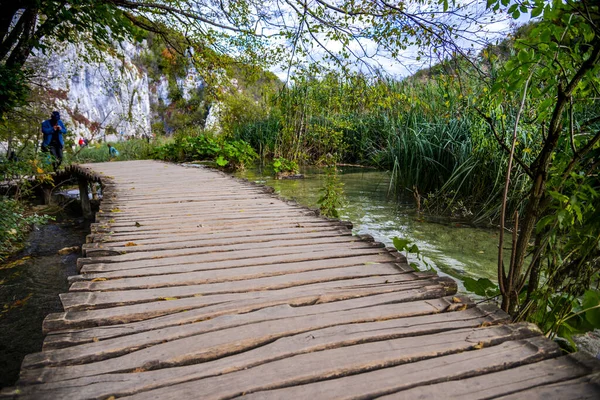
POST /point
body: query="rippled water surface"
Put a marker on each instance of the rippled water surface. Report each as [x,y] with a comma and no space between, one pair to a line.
[452,248]
[29,291]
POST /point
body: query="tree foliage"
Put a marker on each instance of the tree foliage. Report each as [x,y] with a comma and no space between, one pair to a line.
[549,91]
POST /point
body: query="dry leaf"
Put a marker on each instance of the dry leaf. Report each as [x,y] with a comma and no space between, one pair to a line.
[95,339]
[456,300]
[68,250]
[479,346]
[167,298]
[485,324]
[115,210]
[98,279]
[130,244]
[371,263]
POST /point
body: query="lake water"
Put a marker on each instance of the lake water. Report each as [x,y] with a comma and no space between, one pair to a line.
[450,247]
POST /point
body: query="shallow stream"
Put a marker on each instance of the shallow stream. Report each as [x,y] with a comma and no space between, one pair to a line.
[29,288]
[450,247]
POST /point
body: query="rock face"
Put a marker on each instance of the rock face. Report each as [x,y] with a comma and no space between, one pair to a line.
[109,99]
[104,99]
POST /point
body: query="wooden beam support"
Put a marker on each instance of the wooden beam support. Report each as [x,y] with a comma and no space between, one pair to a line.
[86,208]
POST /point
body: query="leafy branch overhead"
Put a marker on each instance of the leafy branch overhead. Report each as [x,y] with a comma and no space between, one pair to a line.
[253,31]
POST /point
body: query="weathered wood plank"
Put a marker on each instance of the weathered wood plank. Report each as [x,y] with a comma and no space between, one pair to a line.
[584,388]
[370,323]
[346,361]
[380,382]
[259,312]
[246,230]
[345,242]
[230,267]
[293,296]
[95,249]
[296,359]
[507,382]
[109,292]
[265,256]
[227,275]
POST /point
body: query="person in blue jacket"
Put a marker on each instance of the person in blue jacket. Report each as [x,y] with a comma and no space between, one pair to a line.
[112,152]
[53,130]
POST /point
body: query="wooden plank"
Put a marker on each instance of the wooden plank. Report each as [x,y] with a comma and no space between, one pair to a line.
[369,324]
[379,382]
[208,218]
[143,281]
[319,242]
[246,279]
[320,354]
[242,231]
[587,387]
[265,256]
[213,223]
[259,312]
[508,382]
[338,290]
[90,249]
[348,361]
[109,293]
[300,222]
[230,267]
[103,386]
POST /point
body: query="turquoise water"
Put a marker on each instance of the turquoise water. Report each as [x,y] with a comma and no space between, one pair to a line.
[450,247]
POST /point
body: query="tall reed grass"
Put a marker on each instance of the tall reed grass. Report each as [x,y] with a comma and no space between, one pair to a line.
[423,131]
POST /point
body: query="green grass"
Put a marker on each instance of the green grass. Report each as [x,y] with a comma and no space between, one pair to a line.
[134,149]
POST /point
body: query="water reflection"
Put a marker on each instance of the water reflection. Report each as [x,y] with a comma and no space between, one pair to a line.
[451,248]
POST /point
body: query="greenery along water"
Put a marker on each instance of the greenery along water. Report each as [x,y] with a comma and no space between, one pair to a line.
[451,248]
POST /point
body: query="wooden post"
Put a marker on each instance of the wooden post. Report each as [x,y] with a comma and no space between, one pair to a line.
[86,208]
[47,192]
[94,191]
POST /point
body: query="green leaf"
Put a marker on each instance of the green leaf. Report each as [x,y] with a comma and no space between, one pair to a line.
[481,286]
[591,298]
[536,12]
[400,244]
[221,162]
[523,56]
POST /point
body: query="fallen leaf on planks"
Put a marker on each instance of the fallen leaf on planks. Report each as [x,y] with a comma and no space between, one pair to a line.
[130,244]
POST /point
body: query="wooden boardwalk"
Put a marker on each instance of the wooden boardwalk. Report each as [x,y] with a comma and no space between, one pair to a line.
[196,285]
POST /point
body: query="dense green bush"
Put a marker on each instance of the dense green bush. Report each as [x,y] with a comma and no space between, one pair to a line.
[190,146]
